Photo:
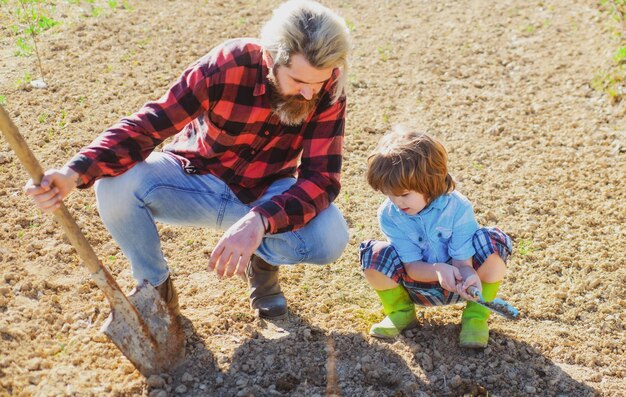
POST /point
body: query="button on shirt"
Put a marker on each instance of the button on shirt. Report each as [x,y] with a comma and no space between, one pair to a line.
[440,232]
[220,115]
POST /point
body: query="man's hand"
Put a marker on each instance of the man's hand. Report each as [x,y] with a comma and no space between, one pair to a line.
[55,186]
[232,253]
[448,276]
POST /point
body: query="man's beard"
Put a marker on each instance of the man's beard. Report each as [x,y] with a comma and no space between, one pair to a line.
[292,110]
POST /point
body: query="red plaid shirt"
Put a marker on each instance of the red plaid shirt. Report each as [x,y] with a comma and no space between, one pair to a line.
[220,112]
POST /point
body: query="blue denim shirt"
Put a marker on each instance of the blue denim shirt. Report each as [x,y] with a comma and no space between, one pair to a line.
[440,232]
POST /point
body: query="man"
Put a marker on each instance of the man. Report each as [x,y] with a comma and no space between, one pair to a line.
[257,151]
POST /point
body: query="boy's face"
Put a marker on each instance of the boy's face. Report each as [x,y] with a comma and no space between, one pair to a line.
[409,201]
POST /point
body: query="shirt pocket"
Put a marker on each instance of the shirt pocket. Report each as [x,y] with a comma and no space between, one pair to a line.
[443,234]
[220,140]
[416,238]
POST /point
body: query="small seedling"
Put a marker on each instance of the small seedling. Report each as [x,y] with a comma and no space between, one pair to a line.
[525,247]
[351,26]
[25,80]
[384,53]
[477,166]
[3,100]
[43,118]
[63,120]
[96,11]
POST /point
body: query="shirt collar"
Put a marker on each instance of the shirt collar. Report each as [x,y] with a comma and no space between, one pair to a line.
[260,87]
[439,203]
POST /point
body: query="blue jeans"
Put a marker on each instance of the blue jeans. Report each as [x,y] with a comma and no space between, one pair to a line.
[158,189]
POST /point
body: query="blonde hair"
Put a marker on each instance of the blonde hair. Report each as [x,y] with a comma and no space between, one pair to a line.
[312,30]
[413,161]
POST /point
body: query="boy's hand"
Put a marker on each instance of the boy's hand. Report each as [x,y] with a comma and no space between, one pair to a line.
[471,280]
[448,276]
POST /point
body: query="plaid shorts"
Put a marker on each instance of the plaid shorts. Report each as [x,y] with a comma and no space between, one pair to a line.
[382,256]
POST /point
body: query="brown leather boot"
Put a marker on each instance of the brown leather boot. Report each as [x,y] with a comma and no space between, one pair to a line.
[265,296]
[168,294]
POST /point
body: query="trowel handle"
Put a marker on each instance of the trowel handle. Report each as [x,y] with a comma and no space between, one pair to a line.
[475,292]
[28,159]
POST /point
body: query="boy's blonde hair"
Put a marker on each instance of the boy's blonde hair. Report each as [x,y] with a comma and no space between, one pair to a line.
[405,160]
[312,30]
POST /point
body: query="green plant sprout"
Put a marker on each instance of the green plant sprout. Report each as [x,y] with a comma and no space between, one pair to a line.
[36,21]
[525,247]
[383,52]
[3,100]
[63,119]
[477,166]
[43,118]
[25,80]
[351,26]
[96,11]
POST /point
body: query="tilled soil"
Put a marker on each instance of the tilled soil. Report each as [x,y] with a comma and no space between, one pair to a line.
[506,85]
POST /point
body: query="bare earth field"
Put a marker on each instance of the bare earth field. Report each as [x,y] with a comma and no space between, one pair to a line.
[505,84]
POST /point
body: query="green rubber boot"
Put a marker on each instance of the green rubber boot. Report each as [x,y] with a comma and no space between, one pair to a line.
[400,311]
[474,328]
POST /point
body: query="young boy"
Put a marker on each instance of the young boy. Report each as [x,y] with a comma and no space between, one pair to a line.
[436,250]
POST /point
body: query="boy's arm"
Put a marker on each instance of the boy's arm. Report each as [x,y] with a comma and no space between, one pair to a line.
[447,275]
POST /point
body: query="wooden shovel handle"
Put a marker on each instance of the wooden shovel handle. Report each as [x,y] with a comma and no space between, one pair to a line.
[62,215]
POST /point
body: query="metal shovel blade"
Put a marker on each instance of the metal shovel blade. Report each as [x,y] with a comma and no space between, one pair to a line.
[498,306]
[141,326]
[149,334]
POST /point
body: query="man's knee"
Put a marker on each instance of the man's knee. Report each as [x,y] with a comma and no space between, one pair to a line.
[335,237]
[335,244]
[115,195]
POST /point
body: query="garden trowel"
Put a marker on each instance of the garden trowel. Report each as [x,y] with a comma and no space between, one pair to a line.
[497,305]
[141,325]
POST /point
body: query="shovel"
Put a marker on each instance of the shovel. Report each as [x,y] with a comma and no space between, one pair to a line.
[141,325]
[498,306]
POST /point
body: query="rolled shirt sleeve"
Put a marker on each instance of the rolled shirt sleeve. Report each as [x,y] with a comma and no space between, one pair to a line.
[133,138]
